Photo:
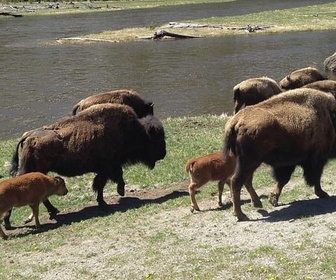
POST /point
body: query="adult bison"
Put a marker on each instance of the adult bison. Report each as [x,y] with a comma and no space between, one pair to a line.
[253,91]
[290,129]
[325,85]
[301,77]
[100,139]
[330,63]
[123,96]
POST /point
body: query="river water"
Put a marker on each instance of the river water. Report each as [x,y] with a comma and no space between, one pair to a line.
[40,83]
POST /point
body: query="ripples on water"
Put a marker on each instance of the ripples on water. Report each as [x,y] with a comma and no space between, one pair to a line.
[41,83]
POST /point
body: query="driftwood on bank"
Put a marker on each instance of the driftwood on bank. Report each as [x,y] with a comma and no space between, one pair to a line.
[9,14]
[162,33]
[248,28]
[60,40]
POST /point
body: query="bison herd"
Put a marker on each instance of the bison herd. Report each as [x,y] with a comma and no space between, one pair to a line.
[286,124]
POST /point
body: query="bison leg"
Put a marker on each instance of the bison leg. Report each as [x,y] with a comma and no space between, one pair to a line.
[192,191]
[3,235]
[52,210]
[220,192]
[312,172]
[6,219]
[117,177]
[236,186]
[254,196]
[35,209]
[98,185]
[282,176]
[244,172]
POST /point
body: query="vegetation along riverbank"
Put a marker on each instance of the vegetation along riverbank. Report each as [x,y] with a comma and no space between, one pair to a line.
[315,17]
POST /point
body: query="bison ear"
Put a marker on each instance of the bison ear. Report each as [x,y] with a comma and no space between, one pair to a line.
[59,179]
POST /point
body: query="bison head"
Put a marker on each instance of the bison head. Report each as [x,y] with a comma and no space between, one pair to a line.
[156,144]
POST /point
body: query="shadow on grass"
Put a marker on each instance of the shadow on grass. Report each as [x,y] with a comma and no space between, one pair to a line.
[123,204]
[300,209]
[229,204]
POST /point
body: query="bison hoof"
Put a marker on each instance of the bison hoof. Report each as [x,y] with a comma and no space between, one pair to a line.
[53,213]
[193,208]
[273,199]
[257,204]
[121,190]
[103,206]
[242,217]
[8,226]
[323,194]
[5,237]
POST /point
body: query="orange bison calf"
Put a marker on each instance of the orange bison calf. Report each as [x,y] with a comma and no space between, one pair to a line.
[28,189]
[215,167]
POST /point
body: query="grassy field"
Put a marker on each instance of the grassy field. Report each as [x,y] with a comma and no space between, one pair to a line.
[151,234]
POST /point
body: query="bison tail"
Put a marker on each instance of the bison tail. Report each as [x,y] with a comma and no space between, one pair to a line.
[74,109]
[15,161]
[189,166]
[230,140]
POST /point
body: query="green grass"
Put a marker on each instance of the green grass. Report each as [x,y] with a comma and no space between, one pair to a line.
[303,18]
[310,18]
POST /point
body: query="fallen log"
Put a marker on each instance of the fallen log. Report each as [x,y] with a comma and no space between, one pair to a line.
[158,35]
[60,40]
[9,14]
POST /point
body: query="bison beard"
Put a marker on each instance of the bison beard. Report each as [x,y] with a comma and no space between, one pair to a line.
[290,129]
[100,139]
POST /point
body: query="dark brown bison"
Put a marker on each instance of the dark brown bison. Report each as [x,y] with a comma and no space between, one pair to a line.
[100,139]
[301,77]
[123,96]
[325,85]
[290,129]
[29,189]
[253,91]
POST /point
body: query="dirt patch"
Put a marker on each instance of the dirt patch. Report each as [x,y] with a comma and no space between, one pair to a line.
[172,243]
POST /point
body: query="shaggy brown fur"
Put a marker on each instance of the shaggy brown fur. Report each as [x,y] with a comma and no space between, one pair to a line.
[101,139]
[253,91]
[326,86]
[290,129]
[28,189]
[214,167]
[330,63]
[301,77]
[123,96]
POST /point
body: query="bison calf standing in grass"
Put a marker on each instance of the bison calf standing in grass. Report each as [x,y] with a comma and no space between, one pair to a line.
[28,189]
[123,96]
[101,139]
[215,167]
[301,77]
[253,91]
[290,129]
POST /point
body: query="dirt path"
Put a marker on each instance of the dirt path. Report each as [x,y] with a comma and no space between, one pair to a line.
[172,243]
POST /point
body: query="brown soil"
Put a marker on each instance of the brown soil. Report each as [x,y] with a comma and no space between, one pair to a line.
[186,243]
